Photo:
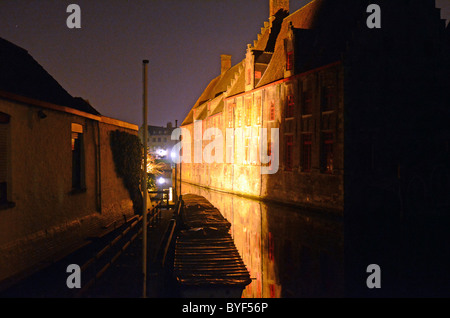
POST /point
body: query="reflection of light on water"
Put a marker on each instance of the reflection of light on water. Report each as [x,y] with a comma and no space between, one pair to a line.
[287,253]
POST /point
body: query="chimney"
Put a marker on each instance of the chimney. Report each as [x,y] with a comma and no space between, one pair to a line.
[225,63]
[276,5]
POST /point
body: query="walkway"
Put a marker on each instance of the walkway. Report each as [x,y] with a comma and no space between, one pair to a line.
[122,279]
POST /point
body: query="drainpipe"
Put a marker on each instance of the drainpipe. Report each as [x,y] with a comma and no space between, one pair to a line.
[99,170]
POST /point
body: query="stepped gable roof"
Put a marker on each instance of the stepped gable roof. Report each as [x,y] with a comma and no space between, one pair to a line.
[22,75]
[239,85]
[217,86]
[321,30]
[189,118]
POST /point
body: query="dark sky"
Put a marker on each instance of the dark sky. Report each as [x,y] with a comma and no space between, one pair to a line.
[102,61]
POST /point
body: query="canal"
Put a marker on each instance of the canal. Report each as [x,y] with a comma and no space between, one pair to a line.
[288,251]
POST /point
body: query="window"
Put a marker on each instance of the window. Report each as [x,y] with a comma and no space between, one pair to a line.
[230,150]
[230,115]
[248,112]
[289,152]
[272,111]
[290,106]
[307,102]
[258,110]
[78,173]
[328,98]
[290,61]
[165,139]
[247,150]
[239,117]
[154,139]
[254,152]
[159,139]
[327,153]
[306,152]
[4,136]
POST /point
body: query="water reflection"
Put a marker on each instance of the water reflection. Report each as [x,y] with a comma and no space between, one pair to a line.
[288,251]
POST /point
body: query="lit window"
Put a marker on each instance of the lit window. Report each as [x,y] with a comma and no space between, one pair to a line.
[239,117]
[78,172]
[258,110]
[327,153]
[247,149]
[248,112]
[290,60]
[230,115]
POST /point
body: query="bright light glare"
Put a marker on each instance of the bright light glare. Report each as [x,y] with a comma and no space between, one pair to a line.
[161,180]
[162,152]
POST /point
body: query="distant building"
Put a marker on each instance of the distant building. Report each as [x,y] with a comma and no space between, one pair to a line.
[159,140]
[359,111]
[58,179]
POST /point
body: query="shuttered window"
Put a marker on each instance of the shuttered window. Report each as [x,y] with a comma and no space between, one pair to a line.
[4,136]
[78,172]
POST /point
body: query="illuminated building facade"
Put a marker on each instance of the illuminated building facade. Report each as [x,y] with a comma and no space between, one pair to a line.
[346,99]
[159,140]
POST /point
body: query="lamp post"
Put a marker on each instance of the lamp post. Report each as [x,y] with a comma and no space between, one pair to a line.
[144,185]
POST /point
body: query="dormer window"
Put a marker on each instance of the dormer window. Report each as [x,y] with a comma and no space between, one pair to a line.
[290,61]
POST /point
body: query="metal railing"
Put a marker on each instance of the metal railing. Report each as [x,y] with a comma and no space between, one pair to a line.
[153,216]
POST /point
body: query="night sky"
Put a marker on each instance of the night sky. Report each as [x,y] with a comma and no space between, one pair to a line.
[102,61]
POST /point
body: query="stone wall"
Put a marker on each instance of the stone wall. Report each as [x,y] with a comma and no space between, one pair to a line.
[248,112]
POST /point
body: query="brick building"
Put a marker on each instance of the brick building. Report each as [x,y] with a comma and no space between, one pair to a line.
[346,99]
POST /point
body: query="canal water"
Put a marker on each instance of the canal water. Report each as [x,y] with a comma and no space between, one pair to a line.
[289,252]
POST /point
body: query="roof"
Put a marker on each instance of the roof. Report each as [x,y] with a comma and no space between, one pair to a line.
[321,30]
[214,89]
[22,75]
